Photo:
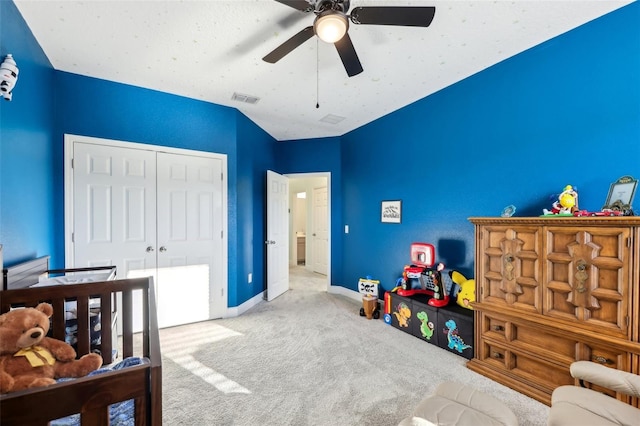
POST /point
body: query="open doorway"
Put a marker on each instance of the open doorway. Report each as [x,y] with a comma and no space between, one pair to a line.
[310,223]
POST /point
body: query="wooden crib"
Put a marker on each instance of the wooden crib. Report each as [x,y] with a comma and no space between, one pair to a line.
[91,396]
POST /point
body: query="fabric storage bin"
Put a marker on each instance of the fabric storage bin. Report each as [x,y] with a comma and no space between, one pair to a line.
[456,330]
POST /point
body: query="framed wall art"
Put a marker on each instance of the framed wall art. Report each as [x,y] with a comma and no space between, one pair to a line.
[391,211]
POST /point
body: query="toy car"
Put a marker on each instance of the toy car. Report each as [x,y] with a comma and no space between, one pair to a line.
[604,212]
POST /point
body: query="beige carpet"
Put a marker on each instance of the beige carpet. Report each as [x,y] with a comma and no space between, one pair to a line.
[308,358]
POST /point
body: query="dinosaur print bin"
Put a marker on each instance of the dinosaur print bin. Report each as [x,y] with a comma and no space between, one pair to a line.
[456,330]
[425,319]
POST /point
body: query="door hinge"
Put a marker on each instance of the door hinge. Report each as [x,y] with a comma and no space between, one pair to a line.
[73,237]
[72,163]
[221,234]
[221,176]
[222,292]
[627,320]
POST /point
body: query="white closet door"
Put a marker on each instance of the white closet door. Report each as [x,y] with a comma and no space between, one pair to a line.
[114,208]
[190,225]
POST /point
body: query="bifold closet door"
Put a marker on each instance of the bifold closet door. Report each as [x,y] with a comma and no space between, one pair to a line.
[153,214]
[189,239]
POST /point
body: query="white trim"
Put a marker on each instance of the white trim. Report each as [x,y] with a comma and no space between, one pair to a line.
[239,310]
[326,175]
[343,291]
[70,139]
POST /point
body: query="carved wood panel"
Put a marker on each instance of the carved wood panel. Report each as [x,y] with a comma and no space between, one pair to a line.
[510,268]
[585,277]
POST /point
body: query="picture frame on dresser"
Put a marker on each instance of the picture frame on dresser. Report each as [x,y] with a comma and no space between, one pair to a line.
[621,194]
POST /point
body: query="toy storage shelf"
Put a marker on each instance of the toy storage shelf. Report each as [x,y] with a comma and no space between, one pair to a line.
[449,327]
[553,290]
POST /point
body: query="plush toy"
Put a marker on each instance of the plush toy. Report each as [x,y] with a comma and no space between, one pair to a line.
[28,358]
[467,293]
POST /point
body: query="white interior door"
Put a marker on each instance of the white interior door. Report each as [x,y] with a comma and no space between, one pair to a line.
[277,241]
[189,239]
[114,209]
[320,234]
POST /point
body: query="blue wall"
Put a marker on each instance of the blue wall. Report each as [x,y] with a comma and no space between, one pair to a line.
[27,216]
[255,156]
[565,112]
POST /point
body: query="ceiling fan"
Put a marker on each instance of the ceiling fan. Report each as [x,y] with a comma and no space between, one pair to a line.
[332,23]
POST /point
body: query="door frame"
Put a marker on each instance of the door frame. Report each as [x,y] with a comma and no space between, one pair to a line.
[70,139]
[326,175]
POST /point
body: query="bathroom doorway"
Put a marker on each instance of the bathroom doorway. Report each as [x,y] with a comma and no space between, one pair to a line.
[310,223]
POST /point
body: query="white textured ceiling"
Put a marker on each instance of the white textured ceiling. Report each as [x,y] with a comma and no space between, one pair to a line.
[208,50]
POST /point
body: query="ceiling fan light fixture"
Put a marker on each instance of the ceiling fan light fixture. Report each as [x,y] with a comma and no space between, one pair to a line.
[330,26]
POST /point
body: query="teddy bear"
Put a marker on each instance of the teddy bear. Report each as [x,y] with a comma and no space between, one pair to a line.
[28,358]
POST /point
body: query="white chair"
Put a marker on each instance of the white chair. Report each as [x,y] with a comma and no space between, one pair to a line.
[460,405]
[577,405]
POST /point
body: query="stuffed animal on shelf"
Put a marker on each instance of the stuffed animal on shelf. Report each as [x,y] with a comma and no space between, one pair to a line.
[28,358]
[467,293]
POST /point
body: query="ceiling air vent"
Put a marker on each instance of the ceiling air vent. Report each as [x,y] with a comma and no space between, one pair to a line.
[332,119]
[247,99]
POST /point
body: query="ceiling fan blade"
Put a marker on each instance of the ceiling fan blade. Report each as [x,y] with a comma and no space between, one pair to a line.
[348,55]
[286,47]
[302,5]
[410,16]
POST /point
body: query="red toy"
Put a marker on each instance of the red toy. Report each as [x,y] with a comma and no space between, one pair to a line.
[422,278]
[605,212]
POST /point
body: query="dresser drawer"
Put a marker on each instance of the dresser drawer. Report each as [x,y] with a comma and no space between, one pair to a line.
[535,371]
[603,355]
[528,337]
[494,328]
[608,357]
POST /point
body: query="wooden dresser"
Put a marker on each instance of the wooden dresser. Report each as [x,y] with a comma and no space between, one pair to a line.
[552,290]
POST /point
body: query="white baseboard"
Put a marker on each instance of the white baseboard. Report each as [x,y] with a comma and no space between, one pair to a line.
[239,310]
[258,298]
[351,294]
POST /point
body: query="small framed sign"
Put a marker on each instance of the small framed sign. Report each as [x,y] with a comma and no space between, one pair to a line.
[391,211]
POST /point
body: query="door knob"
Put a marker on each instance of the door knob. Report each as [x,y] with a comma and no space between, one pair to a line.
[163,249]
[269,242]
[149,249]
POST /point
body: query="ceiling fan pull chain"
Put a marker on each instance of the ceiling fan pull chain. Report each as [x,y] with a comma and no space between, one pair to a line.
[317,74]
